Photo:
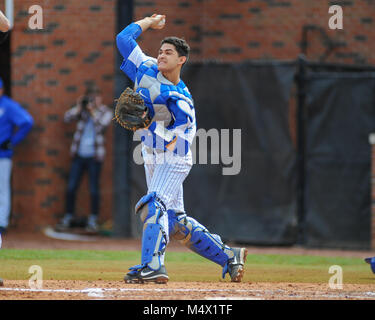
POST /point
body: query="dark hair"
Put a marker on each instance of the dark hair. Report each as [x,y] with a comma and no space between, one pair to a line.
[92,90]
[181,46]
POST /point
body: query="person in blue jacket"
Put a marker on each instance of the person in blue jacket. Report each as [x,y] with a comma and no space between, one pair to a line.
[15,123]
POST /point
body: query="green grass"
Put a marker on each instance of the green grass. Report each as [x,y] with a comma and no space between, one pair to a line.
[91,265]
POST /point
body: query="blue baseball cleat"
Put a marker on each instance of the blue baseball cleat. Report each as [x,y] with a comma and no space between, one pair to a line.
[371,261]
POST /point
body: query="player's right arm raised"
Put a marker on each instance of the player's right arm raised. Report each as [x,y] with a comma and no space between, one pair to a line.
[128,47]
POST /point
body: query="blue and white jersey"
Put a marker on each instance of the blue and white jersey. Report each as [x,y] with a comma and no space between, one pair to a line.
[171,106]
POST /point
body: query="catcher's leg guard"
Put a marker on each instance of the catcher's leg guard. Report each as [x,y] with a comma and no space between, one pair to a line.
[155,230]
[195,236]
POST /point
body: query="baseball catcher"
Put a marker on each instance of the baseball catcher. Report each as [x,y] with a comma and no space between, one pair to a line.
[163,109]
[131,112]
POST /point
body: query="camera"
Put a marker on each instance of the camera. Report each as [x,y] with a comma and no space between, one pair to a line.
[85,101]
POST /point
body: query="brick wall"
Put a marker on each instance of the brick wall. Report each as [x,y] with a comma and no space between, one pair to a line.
[236,30]
[50,69]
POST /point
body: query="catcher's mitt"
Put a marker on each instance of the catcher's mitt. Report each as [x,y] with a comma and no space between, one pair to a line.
[131,112]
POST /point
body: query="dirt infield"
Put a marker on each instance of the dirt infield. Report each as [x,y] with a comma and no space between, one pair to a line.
[222,290]
[118,290]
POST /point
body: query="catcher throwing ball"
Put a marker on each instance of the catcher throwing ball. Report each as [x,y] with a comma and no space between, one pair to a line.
[161,110]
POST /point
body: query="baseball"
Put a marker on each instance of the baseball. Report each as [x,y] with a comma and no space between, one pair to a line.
[162,22]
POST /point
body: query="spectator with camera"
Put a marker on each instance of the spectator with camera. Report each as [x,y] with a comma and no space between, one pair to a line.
[88,153]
